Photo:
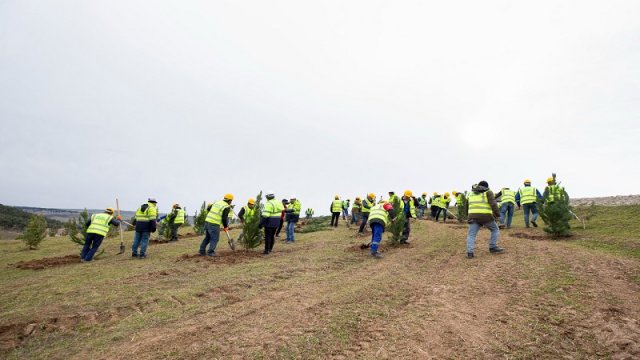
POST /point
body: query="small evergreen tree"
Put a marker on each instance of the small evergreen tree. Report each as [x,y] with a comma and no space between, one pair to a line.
[198,220]
[252,233]
[397,227]
[463,209]
[557,214]
[35,232]
[164,229]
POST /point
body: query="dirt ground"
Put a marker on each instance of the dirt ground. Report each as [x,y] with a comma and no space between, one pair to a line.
[325,297]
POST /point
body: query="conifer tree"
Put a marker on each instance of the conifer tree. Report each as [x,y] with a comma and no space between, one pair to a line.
[198,220]
[557,214]
[395,228]
[463,209]
[252,233]
[35,232]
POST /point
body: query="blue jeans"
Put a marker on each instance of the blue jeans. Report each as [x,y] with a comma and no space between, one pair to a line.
[420,213]
[291,226]
[376,236]
[345,214]
[211,237]
[473,231]
[91,244]
[506,208]
[534,210]
[141,239]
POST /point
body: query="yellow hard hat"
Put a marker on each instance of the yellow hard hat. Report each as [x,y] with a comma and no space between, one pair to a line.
[371,196]
[455,192]
[550,180]
[228,197]
[357,197]
[527,181]
[408,193]
[435,193]
[109,210]
[446,194]
[175,205]
[251,201]
[337,197]
[424,194]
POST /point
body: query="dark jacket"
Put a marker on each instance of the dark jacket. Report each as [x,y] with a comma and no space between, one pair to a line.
[485,218]
[145,226]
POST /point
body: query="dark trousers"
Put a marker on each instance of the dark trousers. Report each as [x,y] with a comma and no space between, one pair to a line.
[406,231]
[91,244]
[365,218]
[434,211]
[174,231]
[441,211]
[269,239]
[335,216]
[279,227]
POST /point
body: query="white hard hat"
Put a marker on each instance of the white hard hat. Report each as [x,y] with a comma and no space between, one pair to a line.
[270,193]
[293,197]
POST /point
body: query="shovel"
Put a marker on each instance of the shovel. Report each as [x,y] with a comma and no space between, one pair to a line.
[120,228]
[232,244]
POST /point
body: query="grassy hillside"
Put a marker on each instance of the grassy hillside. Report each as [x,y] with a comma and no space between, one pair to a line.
[12,218]
[323,297]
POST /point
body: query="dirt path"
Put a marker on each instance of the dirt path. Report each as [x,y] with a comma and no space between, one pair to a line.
[324,298]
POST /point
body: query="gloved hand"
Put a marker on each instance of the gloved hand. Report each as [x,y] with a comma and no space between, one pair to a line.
[226,229]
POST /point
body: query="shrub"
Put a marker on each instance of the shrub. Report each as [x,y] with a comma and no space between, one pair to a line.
[34,232]
[556,215]
[252,235]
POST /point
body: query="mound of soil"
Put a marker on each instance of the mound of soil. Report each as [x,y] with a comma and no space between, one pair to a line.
[51,262]
[227,257]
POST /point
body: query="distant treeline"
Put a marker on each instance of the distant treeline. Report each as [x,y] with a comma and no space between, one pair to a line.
[15,219]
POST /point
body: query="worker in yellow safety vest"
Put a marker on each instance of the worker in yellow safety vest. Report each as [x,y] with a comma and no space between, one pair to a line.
[483,211]
[336,209]
[97,228]
[367,204]
[217,217]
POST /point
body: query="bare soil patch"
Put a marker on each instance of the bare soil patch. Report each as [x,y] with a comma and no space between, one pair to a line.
[226,257]
[51,262]
[521,235]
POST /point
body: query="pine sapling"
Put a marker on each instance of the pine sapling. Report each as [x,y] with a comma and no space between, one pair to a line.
[35,232]
[252,234]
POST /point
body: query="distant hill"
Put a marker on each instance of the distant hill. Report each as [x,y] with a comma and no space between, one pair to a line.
[65,214]
[13,218]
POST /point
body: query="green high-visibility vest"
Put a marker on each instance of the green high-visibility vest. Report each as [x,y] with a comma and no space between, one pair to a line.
[345,204]
[179,219]
[459,200]
[273,208]
[422,201]
[151,213]
[444,202]
[367,205]
[296,206]
[393,199]
[527,195]
[435,201]
[508,196]
[479,204]
[99,224]
[249,212]
[215,214]
[554,192]
[356,206]
[379,213]
[336,206]
[309,211]
[412,207]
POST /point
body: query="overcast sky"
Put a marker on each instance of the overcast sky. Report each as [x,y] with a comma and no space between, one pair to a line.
[188,100]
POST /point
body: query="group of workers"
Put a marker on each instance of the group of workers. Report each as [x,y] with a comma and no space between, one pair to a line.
[480,203]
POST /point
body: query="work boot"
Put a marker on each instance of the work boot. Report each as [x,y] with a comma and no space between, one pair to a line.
[527,225]
[142,256]
[470,255]
[534,223]
[404,242]
[496,250]
[377,255]
[211,254]
[134,255]
[201,253]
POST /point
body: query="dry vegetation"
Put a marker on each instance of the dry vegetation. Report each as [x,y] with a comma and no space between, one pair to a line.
[323,297]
